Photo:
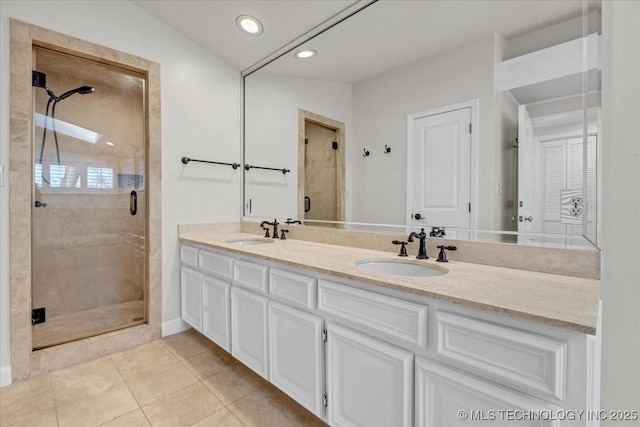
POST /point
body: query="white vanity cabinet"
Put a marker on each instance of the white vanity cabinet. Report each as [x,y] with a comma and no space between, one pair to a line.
[369,382]
[355,354]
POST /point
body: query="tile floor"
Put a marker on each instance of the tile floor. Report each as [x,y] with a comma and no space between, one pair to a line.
[180,380]
[71,327]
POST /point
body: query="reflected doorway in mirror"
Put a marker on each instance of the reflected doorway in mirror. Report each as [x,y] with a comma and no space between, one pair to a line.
[321,185]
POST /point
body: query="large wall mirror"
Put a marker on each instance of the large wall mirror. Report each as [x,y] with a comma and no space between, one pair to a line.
[477,116]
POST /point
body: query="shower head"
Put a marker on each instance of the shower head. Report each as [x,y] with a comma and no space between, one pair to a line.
[83,90]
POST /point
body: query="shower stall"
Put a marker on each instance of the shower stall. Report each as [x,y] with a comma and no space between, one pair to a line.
[89,217]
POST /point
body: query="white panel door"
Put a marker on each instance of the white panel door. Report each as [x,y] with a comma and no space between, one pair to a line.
[249,329]
[295,355]
[440,177]
[215,311]
[369,382]
[449,398]
[191,295]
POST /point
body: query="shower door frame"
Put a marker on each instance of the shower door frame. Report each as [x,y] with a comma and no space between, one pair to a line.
[25,362]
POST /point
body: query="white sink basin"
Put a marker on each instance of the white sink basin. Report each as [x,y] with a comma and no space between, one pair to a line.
[399,268]
[249,241]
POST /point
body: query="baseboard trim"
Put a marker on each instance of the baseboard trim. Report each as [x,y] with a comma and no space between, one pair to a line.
[174,326]
[5,376]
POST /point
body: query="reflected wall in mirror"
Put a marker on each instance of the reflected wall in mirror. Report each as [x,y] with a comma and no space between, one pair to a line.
[487,107]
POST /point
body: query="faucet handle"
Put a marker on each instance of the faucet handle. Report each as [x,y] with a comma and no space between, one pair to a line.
[403,247]
[437,232]
[266,232]
[282,234]
[442,256]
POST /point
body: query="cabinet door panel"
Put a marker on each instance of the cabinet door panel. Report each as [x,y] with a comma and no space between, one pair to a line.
[295,355]
[528,362]
[214,263]
[251,275]
[369,382]
[191,295]
[293,287]
[441,393]
[393,317]
[189,255]
[249,329]
[215,311]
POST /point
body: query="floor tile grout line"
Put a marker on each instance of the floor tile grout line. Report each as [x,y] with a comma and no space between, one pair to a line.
[133,395]
[43,411]
[192,342]
[55,405]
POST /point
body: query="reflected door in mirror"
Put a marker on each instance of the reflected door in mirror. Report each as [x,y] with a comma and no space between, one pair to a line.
[320,163]
[440,169]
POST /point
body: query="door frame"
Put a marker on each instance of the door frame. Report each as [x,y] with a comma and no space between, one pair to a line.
[338,127]
[26,362]
[473,106]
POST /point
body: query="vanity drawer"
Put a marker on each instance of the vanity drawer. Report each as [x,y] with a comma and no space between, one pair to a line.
[189,255]
[251,275]
[396,318]
[214,263]
[293,287]
[523,360]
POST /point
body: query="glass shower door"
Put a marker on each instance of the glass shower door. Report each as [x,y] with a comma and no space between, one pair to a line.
[89,216]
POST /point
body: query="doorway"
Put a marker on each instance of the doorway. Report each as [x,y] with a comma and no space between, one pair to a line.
[320,168]
[24,235]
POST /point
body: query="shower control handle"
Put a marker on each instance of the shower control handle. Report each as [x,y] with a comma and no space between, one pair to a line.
[133,203]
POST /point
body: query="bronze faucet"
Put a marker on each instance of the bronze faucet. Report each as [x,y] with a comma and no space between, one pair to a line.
[422,250]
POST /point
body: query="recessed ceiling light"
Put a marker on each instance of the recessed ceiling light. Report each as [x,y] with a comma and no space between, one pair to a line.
[307,53]
[110,143]
[249,25]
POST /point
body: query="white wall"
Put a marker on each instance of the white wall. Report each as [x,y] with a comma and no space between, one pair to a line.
[200,119]
[621,208]
[271,134]
[381,106]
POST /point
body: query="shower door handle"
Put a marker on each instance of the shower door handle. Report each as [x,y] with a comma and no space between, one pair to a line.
[133,203]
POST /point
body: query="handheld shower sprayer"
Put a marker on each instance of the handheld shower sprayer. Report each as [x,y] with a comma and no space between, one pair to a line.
[83,90]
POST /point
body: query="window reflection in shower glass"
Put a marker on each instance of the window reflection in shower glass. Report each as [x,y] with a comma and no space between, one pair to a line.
[99,177]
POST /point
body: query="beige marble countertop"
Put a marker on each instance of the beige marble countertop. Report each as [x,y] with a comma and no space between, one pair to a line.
[562,301]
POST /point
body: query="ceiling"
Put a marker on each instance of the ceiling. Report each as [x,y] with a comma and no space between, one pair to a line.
[387,34]
[212,24]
